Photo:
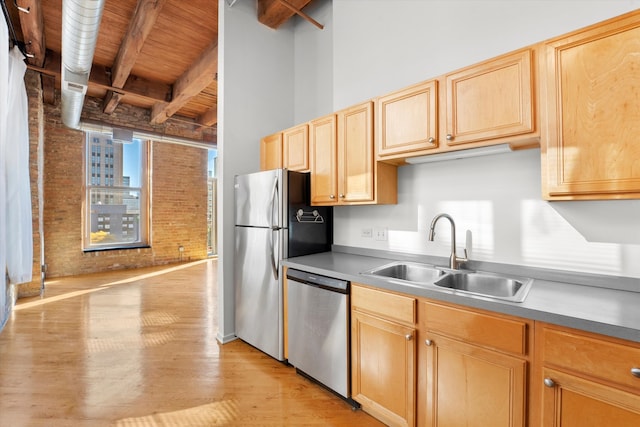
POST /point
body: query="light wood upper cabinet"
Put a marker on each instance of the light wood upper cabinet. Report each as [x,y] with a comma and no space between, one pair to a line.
[355,154]
[343,168]
[295,143]
[383,354]
[591,78]
[271,152]
[324,160]
[492,100]
[472,368]
[489,103]
[585,379]
[407,120]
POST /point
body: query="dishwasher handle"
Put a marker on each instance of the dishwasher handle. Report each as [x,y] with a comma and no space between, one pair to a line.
[317,280]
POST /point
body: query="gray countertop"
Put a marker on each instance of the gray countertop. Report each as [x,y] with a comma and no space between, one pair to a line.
[602,310]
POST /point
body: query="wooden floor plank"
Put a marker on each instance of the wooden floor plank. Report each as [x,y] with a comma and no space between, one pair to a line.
[138,348]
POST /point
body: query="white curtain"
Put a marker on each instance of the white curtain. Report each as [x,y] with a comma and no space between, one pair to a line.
[19,228]
[4,85]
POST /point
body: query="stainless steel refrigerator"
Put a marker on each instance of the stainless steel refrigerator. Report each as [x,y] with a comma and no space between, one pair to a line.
[273,221]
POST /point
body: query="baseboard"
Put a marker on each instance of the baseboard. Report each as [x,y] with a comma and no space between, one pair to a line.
[226,338]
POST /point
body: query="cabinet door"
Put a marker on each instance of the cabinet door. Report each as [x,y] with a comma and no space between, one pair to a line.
[471,386]
[271,152]
[407,120]
[383,368]
[493,99]
[296,148]
[593,113]
[570,401]
[323,159]
[355,154]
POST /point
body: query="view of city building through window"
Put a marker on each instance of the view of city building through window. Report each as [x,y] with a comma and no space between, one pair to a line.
[212,185]
[115,192]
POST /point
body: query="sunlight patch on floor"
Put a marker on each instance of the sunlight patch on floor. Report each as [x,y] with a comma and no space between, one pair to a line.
[46,300]
[151,339]
[211,414]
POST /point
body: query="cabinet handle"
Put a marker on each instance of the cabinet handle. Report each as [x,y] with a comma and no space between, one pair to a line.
[332,196]
[549,382]
[449,137]
[408,337]
[428,342]
[635,372]
[342,196]
[431,140]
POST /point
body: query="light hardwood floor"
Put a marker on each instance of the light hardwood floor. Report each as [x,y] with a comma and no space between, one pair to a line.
[137,348]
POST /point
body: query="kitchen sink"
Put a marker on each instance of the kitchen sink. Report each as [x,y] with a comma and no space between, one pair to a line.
[462,282]
[491,285]
[414,272]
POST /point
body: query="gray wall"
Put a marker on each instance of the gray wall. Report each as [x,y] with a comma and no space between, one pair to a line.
[255,76]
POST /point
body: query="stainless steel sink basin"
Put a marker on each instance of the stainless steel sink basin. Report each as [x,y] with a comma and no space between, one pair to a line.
[487,284]
[463,282]
[407,271]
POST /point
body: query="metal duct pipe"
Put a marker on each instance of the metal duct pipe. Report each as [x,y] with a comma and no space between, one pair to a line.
[80,25]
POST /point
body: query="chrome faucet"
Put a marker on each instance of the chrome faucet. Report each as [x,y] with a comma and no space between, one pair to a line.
[454,261]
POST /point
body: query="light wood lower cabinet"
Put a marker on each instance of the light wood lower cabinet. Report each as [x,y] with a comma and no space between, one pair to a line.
[434,364]
[473,368]
[470,385]
[383,354]
[586,380]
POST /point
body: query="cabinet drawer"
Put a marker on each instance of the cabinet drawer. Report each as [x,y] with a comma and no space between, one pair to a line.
[509,335]
[390,306]
[592,355]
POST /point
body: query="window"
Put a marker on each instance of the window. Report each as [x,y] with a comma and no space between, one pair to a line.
[212,185]
[116,196]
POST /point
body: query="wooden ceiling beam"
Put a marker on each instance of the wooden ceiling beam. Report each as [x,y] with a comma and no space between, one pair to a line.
[274,13]
[100,78]
[48,89]
[209,117]
[32,25]
[302,14]
[189,84]
[140,27]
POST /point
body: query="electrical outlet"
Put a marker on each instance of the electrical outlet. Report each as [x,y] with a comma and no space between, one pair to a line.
[367,233]
[380,233]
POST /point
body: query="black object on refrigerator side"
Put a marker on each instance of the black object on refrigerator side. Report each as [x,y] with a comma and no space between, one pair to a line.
[311,232]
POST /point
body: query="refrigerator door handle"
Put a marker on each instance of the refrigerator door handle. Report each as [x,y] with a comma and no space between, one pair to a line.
[274,198]
[274,256]
[274,229]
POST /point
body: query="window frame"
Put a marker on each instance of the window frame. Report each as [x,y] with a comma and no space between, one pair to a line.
[88,185]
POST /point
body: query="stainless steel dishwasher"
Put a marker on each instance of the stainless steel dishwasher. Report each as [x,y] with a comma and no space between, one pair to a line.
[318,329]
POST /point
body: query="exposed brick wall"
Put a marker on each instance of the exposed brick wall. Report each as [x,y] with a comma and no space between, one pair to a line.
[179,202]
[178,194]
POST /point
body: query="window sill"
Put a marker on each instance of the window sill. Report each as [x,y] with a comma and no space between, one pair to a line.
[116,248]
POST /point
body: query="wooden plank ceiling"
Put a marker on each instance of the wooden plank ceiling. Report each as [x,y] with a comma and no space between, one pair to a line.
[161,55]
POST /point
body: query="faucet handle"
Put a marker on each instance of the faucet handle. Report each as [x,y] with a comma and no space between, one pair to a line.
[465,258]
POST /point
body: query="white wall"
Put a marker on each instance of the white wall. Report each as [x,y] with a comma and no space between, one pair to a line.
[380,46]
[255,98]
[314,63]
